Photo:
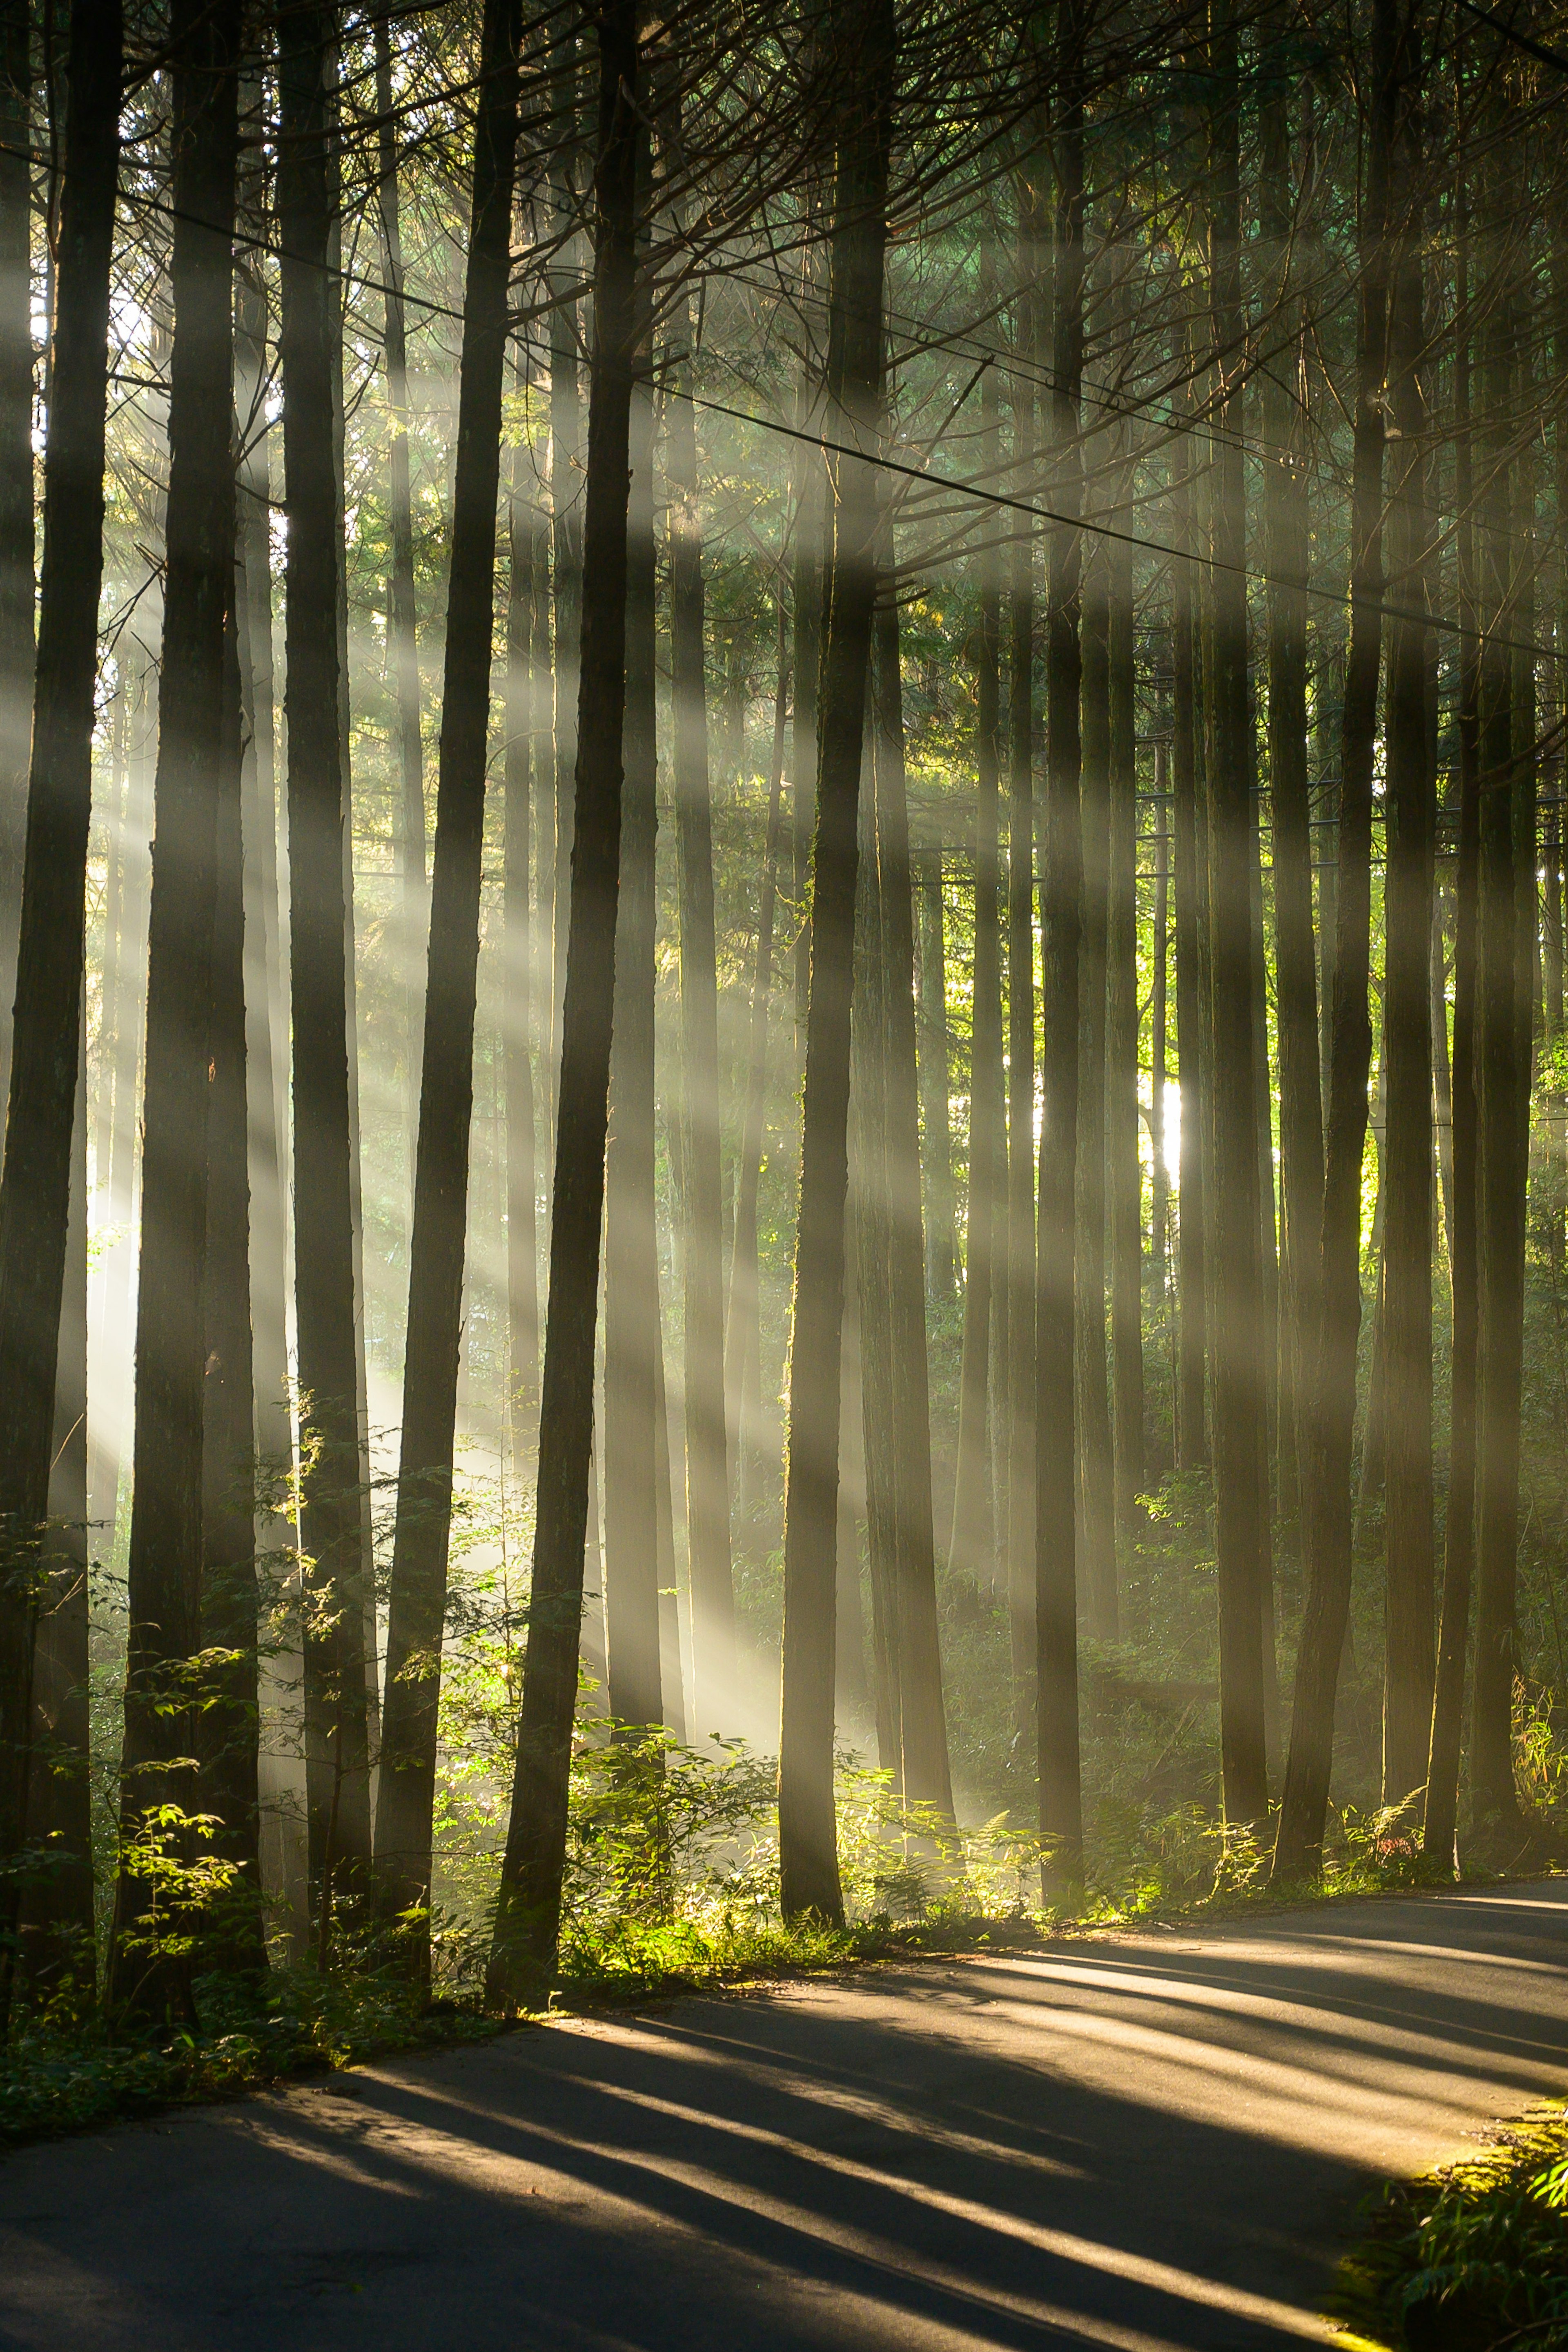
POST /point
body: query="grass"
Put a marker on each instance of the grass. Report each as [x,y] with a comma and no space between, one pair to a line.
[1472,2258]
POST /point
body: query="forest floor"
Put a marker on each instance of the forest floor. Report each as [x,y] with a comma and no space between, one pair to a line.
[1143,2141]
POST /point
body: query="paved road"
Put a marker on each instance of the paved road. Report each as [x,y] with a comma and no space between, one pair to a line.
[1146,2142]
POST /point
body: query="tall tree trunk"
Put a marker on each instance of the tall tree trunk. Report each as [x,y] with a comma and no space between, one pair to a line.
[567,522]
[708,1475]
[1125,1180]
[1505,990]
[1287,541]
[1192,1272]
[931,1014]
[528,1907]
[1329,1355]
[972,1548]
[228,1732]
[631,1329]
[282,1765]
[196,731]
[1411,798]
[332,1525]
[1241,1490]
[416,1608]
[1460,1527]
[527,588]
[16,525]
[1056,1549]
[926,1774]
[402,644]
[34,1195]
[1097,1556]
[864,48]
[1018,1529]
[873,1287]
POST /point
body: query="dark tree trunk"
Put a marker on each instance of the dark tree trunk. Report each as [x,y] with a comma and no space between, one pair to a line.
[708,1475]
[1097,1555]
[332,1525]
[228,1732]
[631,1329]
[1411,801]
[416,1608]
[266,1078]
[1018,1527]
[1287,542]
[35,1197]
[528,1907]
[1124,1182]
[926,1774]
[198,741]
[1329,1351]
[16,524]
[1240,1493]
[1056,1575]
[566,537]
[807,1838]
[402,645]
[873,1287]
[1459,1529]
[972,1548]
[527,588]
[1505,991]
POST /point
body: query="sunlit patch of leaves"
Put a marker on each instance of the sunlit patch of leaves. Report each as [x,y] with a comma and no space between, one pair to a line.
[1474,2257]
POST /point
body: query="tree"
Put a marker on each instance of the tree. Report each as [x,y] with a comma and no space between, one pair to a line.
[1330,1358]
[528,1907]
[1240,1488]
[34,1193]
[198,742]
[417,1603]
[1407,1006]
[863,98]
[402,645]
[336,1729]
[1056,1564]
[632,1332]
[708,1473]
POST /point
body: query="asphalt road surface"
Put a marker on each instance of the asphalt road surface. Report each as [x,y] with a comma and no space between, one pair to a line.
[1144,2142]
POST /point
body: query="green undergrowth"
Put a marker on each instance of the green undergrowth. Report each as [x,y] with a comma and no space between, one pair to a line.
[672,1886]
[61,2071]
[1474,2257]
